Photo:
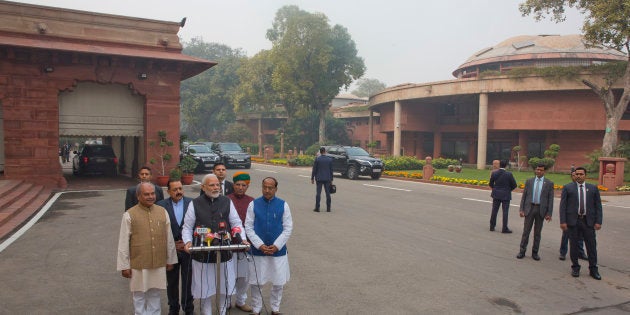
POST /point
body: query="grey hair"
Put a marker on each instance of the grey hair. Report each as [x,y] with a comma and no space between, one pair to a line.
[207,176]
[140,185]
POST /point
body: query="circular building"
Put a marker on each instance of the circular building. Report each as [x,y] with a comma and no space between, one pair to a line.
[484,113]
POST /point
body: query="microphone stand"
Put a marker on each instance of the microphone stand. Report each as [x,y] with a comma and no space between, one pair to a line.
[219,249]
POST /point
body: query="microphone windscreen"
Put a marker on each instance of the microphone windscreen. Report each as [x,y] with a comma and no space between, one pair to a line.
[237,239]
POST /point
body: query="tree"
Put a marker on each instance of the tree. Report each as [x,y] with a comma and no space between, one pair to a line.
[312,60]
[207,99]
[606,24]
[368,87]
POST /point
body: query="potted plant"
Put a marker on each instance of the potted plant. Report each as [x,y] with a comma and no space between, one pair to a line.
[160,149]
[175,174]
[187,166]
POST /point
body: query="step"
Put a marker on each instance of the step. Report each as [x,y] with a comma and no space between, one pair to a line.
[13,194]
[24,206]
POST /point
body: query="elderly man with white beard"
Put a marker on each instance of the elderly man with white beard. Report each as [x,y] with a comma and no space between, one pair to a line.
[210,210]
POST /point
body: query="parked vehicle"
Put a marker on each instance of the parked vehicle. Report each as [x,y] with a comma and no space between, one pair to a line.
[206,159]
[354,161]
[232,155]
[95,159]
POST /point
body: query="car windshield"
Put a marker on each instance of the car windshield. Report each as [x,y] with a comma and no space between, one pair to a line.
[231,147]
[98,150]
[357,152]
[199,148]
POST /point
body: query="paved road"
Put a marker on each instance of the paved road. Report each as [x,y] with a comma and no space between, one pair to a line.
[388,247]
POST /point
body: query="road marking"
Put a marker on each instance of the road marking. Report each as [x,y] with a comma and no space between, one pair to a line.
[607,205]
[268,171]
[30,223]
[392,188]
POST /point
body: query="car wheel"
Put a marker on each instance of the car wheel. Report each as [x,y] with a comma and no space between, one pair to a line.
[376,175]
[248,166]
[352,172]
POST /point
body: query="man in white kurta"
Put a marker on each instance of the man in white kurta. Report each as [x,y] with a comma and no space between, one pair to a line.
[151,227]
[204,274]
[268,225]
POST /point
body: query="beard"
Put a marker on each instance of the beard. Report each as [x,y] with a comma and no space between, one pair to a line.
[212,194]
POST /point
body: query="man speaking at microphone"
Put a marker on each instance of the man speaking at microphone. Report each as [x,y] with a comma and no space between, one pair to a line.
[217,213]
[268,225]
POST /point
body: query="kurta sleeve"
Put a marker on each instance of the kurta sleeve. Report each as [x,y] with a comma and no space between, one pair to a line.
[287,227]
[235,220]
[249,227]
[123,260]
[171,252]
[189,223]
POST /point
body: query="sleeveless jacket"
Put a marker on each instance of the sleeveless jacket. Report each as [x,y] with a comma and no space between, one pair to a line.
[208,213]
[268,223]
[147,244]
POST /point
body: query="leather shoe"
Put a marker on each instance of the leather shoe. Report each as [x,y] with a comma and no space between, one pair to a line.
[520,255]
[595,275]
[583,257]
[535,256]
[575,272]
[316,210]
[276,313]
[562,257]
[244,307]
[506,231]
[327,210]
[492,229]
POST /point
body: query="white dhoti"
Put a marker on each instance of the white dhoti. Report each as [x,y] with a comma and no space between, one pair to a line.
[204,279]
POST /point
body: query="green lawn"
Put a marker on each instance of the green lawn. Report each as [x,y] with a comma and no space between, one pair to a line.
[472,173]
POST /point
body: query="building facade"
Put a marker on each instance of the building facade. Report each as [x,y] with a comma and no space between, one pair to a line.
[74,73]
[481,118]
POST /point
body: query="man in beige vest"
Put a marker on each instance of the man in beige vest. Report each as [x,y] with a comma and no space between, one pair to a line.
[146,250]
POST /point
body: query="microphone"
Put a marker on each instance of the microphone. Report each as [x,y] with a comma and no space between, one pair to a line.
[209,238]
[200,235]
[225,236]
[236,235]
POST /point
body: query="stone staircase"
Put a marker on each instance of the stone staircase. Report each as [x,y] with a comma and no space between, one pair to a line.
[19,200]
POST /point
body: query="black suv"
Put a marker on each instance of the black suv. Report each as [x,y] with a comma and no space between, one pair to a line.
[354,161]
[95,159]
[232,155]
[203,155]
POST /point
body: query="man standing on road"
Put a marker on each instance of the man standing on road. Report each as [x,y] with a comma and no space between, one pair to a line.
[536,205]
[211,210]
[176,206]
[241,201]
[144,175]
[268,225]
[564,241]
[502,183]
[581,215]
[322,174]
[146,250]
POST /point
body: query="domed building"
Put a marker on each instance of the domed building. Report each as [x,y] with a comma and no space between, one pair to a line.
[484,113]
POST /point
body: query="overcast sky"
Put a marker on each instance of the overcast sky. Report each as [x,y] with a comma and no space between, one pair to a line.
[400,41]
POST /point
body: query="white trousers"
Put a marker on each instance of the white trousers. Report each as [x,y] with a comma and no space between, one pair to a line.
[147,303]
[274,300]
[241,290]
[207,305]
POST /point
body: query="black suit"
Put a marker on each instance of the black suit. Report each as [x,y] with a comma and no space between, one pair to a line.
[184,265]
[581,225]
[502,183]
[227,185]
[131,199]
[322,173]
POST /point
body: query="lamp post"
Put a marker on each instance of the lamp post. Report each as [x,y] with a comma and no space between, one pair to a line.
[282,144]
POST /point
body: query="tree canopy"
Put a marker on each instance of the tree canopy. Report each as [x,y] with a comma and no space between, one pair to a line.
[607,24]
[367,87]
[312,61]
[207,99]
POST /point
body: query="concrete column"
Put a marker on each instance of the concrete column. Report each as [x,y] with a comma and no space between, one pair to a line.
[437,144]
[482,131]
[397,131]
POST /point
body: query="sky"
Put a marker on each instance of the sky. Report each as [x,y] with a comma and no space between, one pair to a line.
[400,41]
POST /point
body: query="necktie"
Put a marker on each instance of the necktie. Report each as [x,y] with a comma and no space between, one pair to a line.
[221,183]
[537,191]
[582,209]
